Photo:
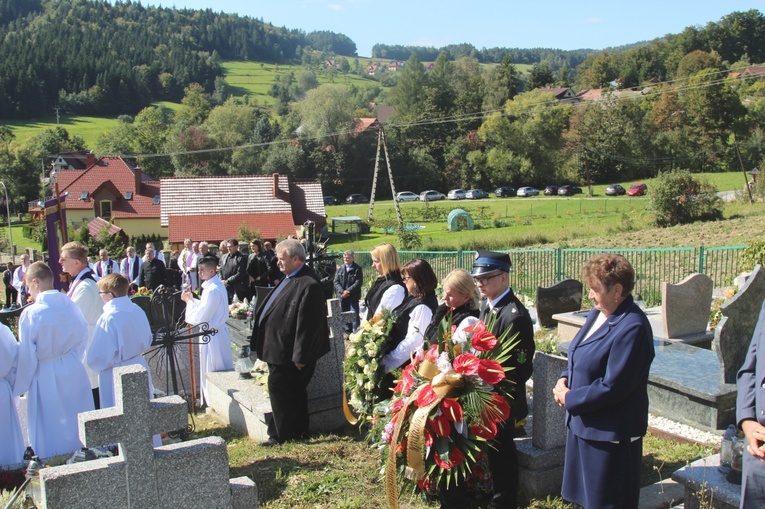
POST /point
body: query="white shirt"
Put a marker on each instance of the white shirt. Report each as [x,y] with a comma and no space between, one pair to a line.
[213,309]
[104,267]
[127,265]
[418,322]
[122,334]
[12,442]
[87,298]
[391,299]
[53,335]
[18,281]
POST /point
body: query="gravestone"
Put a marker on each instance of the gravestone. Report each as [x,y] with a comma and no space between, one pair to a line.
[685,306]
[187,474]
[705,486]
[561,297]
[243,404]
[734,332]
[541,455]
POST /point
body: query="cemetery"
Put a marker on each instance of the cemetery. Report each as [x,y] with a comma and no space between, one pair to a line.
[692,382]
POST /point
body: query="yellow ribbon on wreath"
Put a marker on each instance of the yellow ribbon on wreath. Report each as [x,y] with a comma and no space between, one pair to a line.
[443,384]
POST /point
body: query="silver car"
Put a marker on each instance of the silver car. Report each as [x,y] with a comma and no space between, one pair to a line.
[456,194]
[527,191]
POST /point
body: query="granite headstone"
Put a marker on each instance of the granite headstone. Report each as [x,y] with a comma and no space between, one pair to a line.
[549,429]
[734,332]
[188,474]
[685,306]
[561,297]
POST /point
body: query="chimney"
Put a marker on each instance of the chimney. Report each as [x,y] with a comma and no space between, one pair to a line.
[90,159]
[138,177]
[276,185]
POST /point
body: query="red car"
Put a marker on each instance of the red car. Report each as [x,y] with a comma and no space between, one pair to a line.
[638,189]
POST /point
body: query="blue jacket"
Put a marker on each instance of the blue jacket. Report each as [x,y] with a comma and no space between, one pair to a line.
[608,376]
[750,402]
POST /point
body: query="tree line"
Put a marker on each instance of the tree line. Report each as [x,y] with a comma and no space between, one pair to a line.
[98,57]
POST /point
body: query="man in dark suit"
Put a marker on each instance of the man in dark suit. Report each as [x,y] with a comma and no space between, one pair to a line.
[152,272]
[348,279]
[491,274]
[290,333]
[750,415]
[233,271]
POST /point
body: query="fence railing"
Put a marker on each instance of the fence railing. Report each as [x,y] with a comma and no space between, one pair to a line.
[533,268]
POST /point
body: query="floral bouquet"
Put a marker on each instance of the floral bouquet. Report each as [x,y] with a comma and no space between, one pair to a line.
[238,309]
[363,371]
[142,292]
[446,408]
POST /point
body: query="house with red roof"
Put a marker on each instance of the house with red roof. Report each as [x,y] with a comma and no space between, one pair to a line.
[213,208]
[114,190]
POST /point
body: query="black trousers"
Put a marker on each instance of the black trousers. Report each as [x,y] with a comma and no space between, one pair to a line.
[11,294]
[503,463]
[289,401]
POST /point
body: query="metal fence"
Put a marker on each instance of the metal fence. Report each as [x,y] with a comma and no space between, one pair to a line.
[533,268]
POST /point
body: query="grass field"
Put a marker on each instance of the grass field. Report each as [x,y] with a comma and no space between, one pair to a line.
[87,127]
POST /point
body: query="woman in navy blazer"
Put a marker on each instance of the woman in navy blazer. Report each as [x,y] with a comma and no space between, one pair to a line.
[605,392]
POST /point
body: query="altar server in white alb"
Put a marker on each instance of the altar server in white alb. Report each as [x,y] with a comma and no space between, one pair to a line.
[52,339]
[83,291]
[11,439]
[213,309]
[122,335]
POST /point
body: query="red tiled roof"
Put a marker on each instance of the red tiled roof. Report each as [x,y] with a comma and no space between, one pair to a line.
[214,228]
[121,177]
[591,95]
[362,124]
[98,224]
[246,194]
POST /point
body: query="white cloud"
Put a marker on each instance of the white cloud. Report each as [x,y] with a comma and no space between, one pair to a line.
[335,7]
[592,20]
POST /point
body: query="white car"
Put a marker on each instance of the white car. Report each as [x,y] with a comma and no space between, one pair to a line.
[527,191]
[406,196]
[456,194]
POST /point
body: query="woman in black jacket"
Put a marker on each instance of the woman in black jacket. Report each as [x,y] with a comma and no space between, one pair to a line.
[461,299]
[388,290]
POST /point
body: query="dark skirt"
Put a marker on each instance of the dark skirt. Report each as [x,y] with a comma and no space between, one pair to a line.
[602,475]
[753,488]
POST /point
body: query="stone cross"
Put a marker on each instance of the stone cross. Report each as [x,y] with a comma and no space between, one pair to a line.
[549,429]
[188,474]
[337,318]
[734,332]
[327,380]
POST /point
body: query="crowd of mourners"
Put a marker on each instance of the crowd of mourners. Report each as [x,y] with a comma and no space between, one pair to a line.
[70,342]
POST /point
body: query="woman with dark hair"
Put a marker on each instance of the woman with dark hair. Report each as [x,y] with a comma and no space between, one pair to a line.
[413,316]
[605,392]
[388,290]
[257,265]
[461,299]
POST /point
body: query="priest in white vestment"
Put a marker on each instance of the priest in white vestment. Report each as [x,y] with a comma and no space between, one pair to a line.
[53,335]
[83,291]
[121,337]
[11,439]
[213,309]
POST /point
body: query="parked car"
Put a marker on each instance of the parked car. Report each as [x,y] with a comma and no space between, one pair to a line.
[615,190]
[431,195]
[330,200]
[356,198]
[406,196]
[476,194]
[551,190]
[504,192]
[637,189]
[527,191]
[569,190]
[456,194]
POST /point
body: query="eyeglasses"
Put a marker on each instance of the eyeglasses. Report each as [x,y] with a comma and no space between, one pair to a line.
[482,280]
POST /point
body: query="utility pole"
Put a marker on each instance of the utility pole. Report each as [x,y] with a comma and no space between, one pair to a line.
[587,172]
[57,110]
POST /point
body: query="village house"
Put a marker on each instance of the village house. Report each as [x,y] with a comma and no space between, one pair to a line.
[114,190]
[395,65]
[563,94]
[214,208]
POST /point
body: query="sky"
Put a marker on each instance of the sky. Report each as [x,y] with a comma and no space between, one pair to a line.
[594,24]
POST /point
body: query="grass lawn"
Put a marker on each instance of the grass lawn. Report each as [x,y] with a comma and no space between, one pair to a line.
[87,127]
[341,471]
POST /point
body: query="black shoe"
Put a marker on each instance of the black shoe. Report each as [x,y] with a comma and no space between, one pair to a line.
[271,442]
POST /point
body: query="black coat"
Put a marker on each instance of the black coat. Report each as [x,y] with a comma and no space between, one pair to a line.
[294,329]
[152,274]
[349,279]
[511,314]
[257,269]
[233,270]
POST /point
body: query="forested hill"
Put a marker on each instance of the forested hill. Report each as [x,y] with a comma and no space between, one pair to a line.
[104,58]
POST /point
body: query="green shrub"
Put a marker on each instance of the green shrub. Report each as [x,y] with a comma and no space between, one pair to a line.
[751,256]
[677,197]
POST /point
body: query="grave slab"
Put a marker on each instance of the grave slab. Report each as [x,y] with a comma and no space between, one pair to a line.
[562,297]
[685,306]
[706,487]
[243,404]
